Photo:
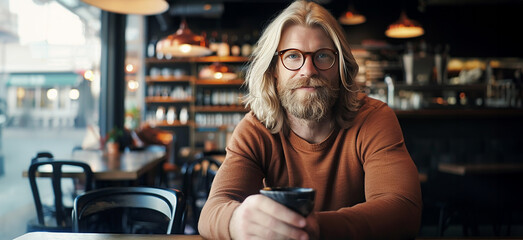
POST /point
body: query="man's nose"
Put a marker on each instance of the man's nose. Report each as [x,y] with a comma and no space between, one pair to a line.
[308,68]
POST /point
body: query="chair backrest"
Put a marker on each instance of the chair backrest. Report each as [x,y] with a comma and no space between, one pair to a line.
[129,210]
[42,156]
[198,177]
[62,215]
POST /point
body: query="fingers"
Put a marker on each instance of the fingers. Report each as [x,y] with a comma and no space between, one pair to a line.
[278,211]
[313,227]
[261,217]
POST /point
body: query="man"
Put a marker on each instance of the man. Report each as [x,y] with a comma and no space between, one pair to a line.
[309,128]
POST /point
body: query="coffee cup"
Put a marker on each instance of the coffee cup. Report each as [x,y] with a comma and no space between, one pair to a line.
[298,199]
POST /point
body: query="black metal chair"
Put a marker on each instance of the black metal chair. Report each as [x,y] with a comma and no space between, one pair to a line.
[55,217]
[198,177]
[42,156]
[131,210]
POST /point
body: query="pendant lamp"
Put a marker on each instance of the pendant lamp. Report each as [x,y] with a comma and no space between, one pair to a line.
[183,43]
[218,71]
[404,28]
[352,17]
[140,7]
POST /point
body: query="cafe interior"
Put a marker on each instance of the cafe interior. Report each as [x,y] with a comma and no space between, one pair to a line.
[450,70]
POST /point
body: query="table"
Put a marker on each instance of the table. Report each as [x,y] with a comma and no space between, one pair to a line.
[480,168]
[485,192]
[127,166]
[103,236]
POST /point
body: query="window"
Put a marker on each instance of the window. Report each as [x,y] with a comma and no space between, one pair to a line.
[49,86]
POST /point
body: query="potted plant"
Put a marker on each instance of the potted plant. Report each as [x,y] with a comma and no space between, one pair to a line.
[112,140]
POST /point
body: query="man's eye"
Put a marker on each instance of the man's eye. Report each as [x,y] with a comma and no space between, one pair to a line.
[324,57]
[293,56]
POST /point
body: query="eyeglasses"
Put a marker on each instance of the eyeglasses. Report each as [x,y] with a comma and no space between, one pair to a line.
[293,59]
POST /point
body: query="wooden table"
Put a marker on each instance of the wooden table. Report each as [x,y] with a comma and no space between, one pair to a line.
[127,166]
[102,236]
[480,168]
[484,193]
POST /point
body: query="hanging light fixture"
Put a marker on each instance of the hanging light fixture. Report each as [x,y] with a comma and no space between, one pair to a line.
[218,71]
[352,17]
[140,7]
[404,28]
[183,43]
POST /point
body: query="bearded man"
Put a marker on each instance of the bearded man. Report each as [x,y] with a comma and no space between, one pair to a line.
[309,127]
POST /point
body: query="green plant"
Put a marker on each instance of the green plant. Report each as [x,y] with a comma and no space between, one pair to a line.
[114,135]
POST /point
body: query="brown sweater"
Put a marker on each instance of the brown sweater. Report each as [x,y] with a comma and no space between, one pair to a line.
[367,186]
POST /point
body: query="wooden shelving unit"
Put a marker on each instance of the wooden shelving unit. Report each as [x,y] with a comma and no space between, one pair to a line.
[168,100]
[166,86]
[211,109]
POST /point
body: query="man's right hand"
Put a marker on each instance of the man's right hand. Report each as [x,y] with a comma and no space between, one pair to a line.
[260,217]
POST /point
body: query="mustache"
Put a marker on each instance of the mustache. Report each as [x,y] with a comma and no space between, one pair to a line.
[316,82]
[299,82]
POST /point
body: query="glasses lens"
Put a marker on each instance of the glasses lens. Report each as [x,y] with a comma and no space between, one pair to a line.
[292,59]
[324,59]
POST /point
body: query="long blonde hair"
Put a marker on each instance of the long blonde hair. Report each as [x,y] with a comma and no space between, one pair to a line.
[262,97]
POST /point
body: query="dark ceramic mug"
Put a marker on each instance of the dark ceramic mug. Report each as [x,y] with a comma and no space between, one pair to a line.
[298,199]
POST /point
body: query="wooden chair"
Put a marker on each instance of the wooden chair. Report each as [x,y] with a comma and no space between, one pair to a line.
[141,210]
[198,177]
[56,217]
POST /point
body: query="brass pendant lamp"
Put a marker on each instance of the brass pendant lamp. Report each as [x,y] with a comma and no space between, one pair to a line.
[140,7]
[404,28]
[351,17]
[183,43]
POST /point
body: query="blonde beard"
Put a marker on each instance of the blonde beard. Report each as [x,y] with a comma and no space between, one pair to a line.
[312,106]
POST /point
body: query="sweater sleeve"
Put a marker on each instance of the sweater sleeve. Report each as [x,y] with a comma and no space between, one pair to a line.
[238,177]
[392,207]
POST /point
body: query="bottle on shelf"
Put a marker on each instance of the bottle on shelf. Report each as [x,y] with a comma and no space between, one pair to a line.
[214,42]
[207,97]
[171,115]
[246,48]
[184,115]
[199,97]
[151,47]
[235,46]
[224,49]
[160,114]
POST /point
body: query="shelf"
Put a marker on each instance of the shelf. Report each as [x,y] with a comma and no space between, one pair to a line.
[202,82]
[434,87]
[460,113]
[191,84]
[176,123]
[160,79]
[201,128]
[211,109]
[168,100]
[467,87]
[208,59]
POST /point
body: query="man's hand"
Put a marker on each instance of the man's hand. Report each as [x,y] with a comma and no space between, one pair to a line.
[260,217]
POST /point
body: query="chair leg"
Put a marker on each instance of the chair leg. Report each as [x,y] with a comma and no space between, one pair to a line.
[442,220]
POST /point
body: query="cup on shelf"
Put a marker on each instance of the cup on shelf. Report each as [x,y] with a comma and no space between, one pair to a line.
[155,72]
[167,72]
[179,72]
